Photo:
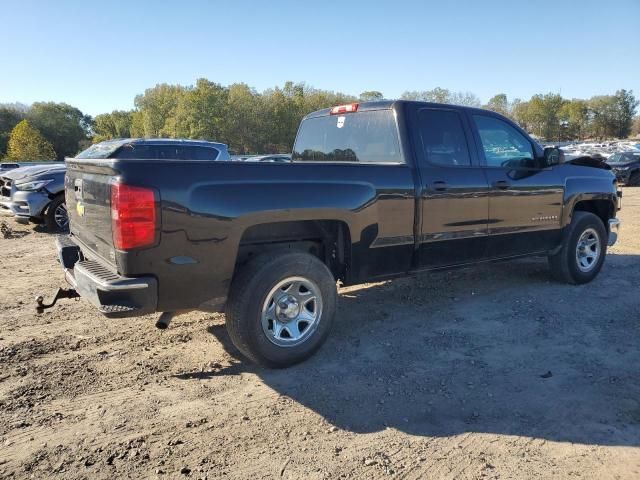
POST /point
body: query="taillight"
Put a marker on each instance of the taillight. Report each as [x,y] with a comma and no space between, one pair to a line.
[350,108]
[133,216]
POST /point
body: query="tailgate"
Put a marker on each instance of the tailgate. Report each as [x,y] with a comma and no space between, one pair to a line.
[88,196]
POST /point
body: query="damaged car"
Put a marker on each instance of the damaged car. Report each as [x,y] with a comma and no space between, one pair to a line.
[35,194]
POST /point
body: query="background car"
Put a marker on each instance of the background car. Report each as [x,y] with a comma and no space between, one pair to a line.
[626,166]
[6,166]
[36,194]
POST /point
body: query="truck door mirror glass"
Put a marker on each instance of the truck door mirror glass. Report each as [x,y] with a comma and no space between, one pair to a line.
[553,156]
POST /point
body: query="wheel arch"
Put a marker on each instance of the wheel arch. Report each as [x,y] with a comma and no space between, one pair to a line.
[328,240]
[594,194]
[52,197]
[604,209]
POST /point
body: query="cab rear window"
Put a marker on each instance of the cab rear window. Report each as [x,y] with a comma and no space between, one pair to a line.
[367,137]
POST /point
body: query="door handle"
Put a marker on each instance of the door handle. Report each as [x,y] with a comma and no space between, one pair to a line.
[502,184]
[440,185]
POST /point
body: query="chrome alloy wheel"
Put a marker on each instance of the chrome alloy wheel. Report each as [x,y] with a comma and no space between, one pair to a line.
[291,311]
[588,250]
[61,216]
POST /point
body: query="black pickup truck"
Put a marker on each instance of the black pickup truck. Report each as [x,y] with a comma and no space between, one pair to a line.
[374,191]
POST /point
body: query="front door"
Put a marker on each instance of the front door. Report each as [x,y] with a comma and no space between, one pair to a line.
[525,201]
[454,195]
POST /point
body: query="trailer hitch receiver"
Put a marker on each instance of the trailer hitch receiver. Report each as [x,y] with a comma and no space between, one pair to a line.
[61,293]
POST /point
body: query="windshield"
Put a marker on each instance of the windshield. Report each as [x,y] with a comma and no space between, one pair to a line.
[616,157]
[369,136]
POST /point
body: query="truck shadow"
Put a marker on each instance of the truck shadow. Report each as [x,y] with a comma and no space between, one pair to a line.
[500,349]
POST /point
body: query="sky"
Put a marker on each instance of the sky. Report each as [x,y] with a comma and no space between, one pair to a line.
[98,55]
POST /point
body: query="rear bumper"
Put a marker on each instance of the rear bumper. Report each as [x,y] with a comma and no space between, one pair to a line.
[113,295]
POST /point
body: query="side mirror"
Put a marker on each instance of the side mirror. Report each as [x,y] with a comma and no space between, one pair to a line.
[553,156]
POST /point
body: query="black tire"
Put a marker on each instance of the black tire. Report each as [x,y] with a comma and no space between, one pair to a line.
[248,296]
[52,223]
[634,179]
[565,266]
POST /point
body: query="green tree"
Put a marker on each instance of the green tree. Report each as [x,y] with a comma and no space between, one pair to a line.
[603,116]
[200,111]
[635,127]
[157,107]
[26,143]
[574,117]
[626,105]
[242,119]
[442,95]
[437,95]
[499,104]
[116,124]
[371,96]
[467,99]
[9,118]
[137,124]
[543,115]
[520,113]
[315,99]
[62,125]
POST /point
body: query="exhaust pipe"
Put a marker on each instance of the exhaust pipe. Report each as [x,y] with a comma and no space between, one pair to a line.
[164,320]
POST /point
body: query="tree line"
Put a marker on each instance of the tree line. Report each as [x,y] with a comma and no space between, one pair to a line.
[551,117]
[43,131]
[266,122]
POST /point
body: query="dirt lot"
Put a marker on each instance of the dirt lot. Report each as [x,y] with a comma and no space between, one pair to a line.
[495,372]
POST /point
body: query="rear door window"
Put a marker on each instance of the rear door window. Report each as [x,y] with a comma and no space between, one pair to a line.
[443,139]
[199,153]
[136,151]
[168,152]
[367,137]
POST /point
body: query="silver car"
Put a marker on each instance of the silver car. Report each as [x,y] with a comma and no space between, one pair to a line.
[36,194]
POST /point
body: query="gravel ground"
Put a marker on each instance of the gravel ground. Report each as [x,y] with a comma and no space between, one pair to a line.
[493,372]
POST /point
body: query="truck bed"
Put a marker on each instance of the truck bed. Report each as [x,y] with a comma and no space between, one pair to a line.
[208,209]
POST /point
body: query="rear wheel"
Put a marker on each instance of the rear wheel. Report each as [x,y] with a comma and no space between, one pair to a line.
[57,219]
[582,254]
[281,307]
[634,179]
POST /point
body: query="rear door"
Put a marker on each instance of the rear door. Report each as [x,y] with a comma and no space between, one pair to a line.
[454,196]
[525,201]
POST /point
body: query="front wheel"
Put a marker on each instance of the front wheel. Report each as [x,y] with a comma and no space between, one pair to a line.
[281,307]
[582,254]
[56,219]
